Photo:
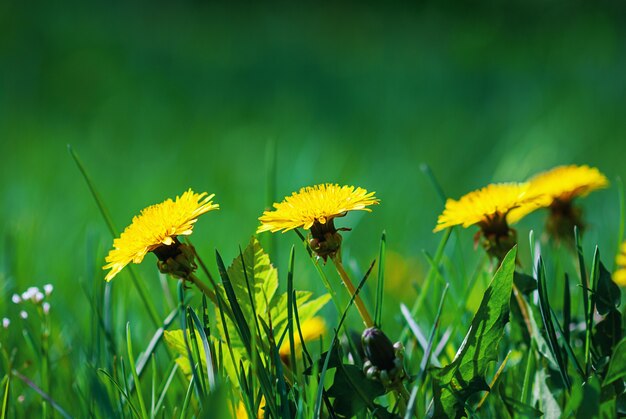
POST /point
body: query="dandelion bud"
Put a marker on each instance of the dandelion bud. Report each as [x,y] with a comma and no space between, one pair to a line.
[23,314]
[48,288]
[46,308]
[5,323]
[378,348]
[16,299]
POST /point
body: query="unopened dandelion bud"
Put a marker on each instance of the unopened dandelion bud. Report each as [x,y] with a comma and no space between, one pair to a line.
[47,289]
[23,314]
[16,299]
[378,348]
[6,322]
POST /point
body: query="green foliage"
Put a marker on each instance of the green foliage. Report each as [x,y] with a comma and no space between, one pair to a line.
[465,375]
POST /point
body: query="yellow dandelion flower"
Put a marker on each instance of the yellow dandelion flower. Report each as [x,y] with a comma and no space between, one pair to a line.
[491,208]
[620,274]
[311,330]
[314,208]
[315,204]
[157,226]
[568,182]
[492,203]
[559,187]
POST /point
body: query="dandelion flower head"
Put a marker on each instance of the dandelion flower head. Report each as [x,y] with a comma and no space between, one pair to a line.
[494,202]
[319,203]
[158,225]
[568,182]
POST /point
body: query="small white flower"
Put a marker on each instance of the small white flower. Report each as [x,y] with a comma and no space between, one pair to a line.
[38,297]
[30,293]
[46,308]
[21,398]
[23,314]
[48,288]
[5,323]
[16,299]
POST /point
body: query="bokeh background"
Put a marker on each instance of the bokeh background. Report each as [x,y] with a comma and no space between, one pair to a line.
[157,97]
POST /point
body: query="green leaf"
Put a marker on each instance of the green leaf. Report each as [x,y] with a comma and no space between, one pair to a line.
[617,365]
[525,283]
[456,382]
[261,275]
[353,391]
[608,294]
[607,333]
[584,401]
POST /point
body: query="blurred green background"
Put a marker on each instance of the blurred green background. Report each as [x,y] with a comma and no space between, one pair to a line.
[157,97]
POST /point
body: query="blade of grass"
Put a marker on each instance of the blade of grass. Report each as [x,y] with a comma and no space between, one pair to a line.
[208,355]
[165,388]
[583,274]
[528,380]
[122,392]
[186,336]
[5,399]
[143,293]
[196,351]
[380,287]
[334,342]
[183,411]
[131,361]
[595,272]
[244,334]
[567,309]
[290,307]
[431,339]
[622,213]
[544,307]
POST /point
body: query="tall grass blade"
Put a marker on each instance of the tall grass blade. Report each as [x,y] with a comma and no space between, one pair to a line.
[622,212]
[546,317]
[290,308]
[334,342]
[208,354]
[593,277]
[143,293]
[122,392]
[380,287]
[133,369]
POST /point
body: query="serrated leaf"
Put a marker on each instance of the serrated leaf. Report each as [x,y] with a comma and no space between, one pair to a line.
[454,383]
[261,276]
[608,294]
[617,365]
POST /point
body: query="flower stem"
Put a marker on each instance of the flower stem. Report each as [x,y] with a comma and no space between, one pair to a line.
[523,309]
[203,287]
[365,315]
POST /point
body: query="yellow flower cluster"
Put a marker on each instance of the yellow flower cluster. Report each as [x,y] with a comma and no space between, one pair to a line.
[156,228]
[513,201]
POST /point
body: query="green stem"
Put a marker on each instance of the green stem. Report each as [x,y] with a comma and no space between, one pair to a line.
[365,315]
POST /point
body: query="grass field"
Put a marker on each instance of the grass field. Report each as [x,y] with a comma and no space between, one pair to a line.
[254,102]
